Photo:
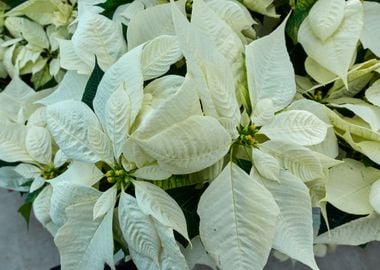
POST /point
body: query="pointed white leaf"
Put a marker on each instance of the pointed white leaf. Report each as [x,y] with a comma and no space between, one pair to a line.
[10,179]
[38,144]
[126,70]
[349,185]
[335,53]
[296,126]
[356,232]
[37,183]
[263,112]
[105,203]
[270,73]
[294,230]
[100,144]
[84,243]
[374,196]
[60,158]
[211,72]
[265,7]
[299,160]
[70,60]
[27,170]
[317,72]
[325,17]
[370,36]
[138,229]
[175,104]
[266,164]
[171,256]
[188,146]
[66,194]
[79,173]
[68,122]
[96,35]
[237,220]
[41,206]
[158,55]
[154,201]
[118,122]
[373,93]
[149,24]
[12,143]
[72,87]
[152,172]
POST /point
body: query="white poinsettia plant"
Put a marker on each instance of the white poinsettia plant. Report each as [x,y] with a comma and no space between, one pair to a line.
[190,132]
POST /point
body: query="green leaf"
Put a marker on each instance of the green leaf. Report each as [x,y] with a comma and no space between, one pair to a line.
[14,3]
[25,211]
[300,12]
[92,85]
[111,5]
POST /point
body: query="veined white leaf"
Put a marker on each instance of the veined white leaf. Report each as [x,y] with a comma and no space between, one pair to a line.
[270,73]
[374,196]
[38,143]
[370,36]
[60,158]
[66,194]
[151,172]
[263,112]
[294,230]
[72,87]
[373,93]
[196,254]
[237,220]
[356,232]
[41,206]
[38,118]
[96,35]
[80,173]
[158,55]
[70,60]
[28,171]
[349,185]
[169,106]
[325,17]
[100,143]
[296,126]
[10,179]
[126,70]
[12,143]
[68,122]
[266,164]
[105,203]
[335,53]
[188,146]
[171,256]
[118,114]
[367,112]
[149,24]
[226,40]
[84,243]
[138,229]
[210,71]
[299,160]
[154,201]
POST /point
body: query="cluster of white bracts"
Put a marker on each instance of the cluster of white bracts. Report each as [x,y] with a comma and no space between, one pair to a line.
[149,124]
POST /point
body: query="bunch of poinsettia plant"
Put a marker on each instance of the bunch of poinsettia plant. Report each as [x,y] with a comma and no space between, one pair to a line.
[176,133]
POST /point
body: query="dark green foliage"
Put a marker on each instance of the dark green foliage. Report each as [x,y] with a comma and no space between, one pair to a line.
[111,5]
[92,85]
[299,14]
[26,209]
[14,3]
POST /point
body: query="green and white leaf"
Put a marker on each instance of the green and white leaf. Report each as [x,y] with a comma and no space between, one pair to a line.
[373,93]
[265,7]
[296,126]
[237,220]
[10,179]
[84,243]
[154,201]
